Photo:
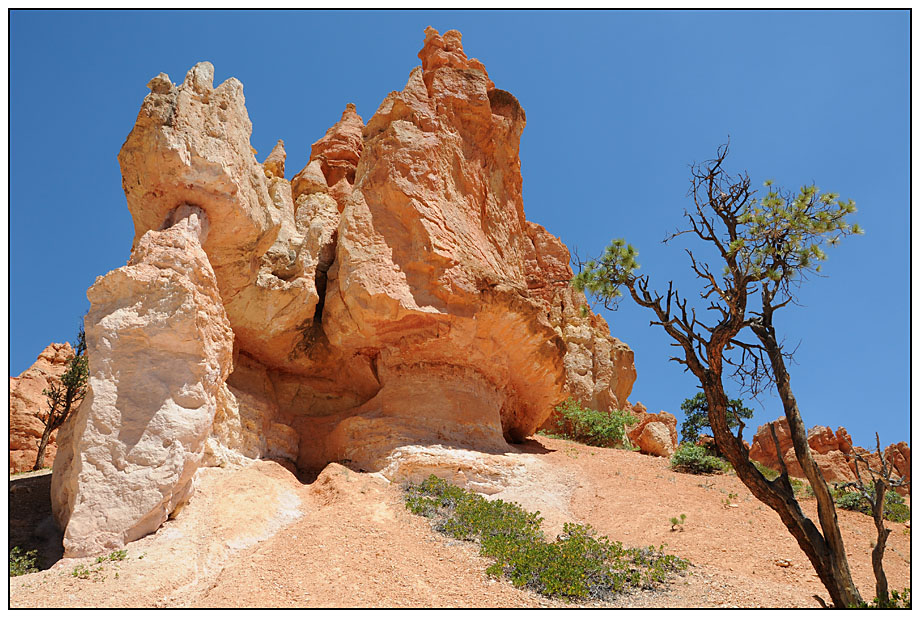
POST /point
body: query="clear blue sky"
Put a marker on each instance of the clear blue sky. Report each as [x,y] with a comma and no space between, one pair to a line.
[618,104]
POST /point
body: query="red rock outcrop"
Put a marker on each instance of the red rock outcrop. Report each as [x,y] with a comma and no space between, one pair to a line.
[26,399]
[391,295]
[830,450]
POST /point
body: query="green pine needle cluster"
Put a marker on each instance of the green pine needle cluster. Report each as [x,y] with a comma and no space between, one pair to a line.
[780,236]
[696,415]
[604,276]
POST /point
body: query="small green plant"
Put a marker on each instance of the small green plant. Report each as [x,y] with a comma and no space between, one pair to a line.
[63,397]
[115,556]
[22,562]
[727,502]
[577,565]
[678,524]
[593,427]
[81,571]
[694,459]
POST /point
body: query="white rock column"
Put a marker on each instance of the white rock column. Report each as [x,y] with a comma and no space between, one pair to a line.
[159,346]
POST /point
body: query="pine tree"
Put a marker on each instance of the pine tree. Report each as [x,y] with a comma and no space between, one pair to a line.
[767,246]
[65,397]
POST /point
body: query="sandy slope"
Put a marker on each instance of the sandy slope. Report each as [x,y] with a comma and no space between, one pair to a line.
[259,536]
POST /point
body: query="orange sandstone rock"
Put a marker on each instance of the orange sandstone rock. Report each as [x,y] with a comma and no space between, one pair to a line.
[830,450]
[391,296]
[660,440]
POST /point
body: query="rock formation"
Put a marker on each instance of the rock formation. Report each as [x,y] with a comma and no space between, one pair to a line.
[26,399]
[654,434]
[830,450]
[161,349]
[390,295]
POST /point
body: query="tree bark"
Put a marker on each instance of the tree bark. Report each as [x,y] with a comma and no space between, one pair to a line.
[42,444]
[831,555]
[878,552]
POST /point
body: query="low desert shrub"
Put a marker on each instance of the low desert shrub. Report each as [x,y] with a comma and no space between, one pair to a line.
[768,473]
[116,556]
[577,565]
[22,562]
[898,599]
[593,427]
[695,459]
[893,509]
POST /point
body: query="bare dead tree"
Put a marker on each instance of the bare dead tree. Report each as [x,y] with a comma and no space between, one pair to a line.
[882,480]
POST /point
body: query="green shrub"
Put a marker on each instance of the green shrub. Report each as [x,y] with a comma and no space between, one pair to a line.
[696,460]
[899,599]
[577,565]
[593,427]
[22,562]
[768,473]
[894,508]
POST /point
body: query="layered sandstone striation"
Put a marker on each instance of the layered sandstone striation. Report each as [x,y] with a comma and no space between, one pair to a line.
[833,452]
[390,297]
[27,400]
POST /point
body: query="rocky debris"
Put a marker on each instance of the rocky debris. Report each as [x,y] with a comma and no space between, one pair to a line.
[392,294]
[654,434]
[26,399]
[481,472]
[830,450]
[159,346]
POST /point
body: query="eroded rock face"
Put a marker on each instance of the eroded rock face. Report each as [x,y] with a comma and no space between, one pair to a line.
[26,399]
[160,347]
[830,450]
[390,295]
[437,268]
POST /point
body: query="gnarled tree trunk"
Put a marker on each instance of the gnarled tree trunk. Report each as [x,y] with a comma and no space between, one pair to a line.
[42,445]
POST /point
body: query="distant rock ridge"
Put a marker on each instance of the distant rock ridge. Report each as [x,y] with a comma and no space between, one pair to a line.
[832,451]
[390,296]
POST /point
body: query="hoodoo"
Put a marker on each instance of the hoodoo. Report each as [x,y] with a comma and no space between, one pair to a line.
[391,294]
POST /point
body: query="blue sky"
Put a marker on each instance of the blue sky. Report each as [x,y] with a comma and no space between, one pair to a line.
[618,104]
